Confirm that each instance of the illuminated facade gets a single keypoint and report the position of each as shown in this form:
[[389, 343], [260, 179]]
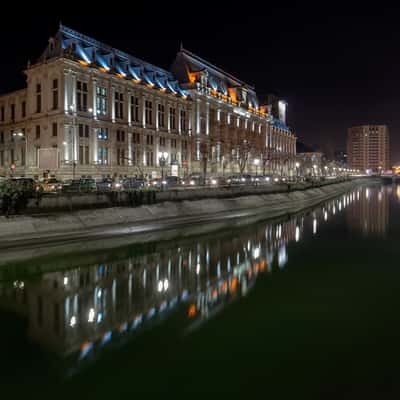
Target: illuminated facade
[[92, 110], [368, 148]]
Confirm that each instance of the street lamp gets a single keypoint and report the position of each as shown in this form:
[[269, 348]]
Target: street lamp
[[162, 159], [23, 136], [256, 163], [297, 169]]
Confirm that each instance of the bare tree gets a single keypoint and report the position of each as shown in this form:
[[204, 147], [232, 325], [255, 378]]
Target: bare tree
[[244, 150]]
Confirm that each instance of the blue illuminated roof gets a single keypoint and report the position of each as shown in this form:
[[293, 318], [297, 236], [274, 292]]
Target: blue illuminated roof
[[94, 52], [277, 123]]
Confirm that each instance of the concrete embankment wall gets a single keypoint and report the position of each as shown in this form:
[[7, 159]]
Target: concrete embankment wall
[[79, 201], [30, 236]]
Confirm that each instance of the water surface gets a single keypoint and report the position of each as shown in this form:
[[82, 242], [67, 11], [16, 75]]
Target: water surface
[[305, 307]]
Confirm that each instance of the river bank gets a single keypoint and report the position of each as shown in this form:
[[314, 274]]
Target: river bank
[[26, 237]]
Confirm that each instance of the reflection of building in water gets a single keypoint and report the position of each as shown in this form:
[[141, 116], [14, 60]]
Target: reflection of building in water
[[371, 215], [77, 311]]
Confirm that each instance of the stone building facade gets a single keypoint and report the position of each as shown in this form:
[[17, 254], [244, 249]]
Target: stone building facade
[[92, 110]]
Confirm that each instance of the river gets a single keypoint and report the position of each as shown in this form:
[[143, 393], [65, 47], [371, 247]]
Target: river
[[306, 306]]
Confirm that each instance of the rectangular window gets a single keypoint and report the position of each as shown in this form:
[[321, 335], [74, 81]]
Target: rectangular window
[[2, 113], [12, 109], [102, 155], [83, 155], [23, 109], [120, 156], [149, 140], [136, 138], [162, 141], [54, 129], [87, 155], [149, 158], [1, 157], [81, 95], [55, 94], [119, 105], [22, 156], [101, 100], [173, 143], [102, 133], [38, 98], [183, 120], [37, 155], [149, 112], [135, 108], [172, 118], [12, 156], [161, 116], [120, 136], [1, 137], [37, 131]]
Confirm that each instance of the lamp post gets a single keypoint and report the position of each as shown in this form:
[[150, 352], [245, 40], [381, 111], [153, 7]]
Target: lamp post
[[162, 159], [23, 137], [315, 169], [297, 169], [256, 163]]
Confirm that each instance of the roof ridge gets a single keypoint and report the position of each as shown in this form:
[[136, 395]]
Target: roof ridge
[[217, 69], [94, 42]]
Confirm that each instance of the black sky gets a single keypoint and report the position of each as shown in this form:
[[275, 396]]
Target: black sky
[[336, 67]]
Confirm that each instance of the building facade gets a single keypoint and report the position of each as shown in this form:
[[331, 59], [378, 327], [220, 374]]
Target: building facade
[[92, 110], [368, 148]]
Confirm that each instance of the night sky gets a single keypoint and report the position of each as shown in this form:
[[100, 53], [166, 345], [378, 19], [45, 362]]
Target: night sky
[[336, 67]]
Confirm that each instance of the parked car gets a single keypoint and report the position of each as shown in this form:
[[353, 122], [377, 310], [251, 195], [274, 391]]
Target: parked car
[[192, 180], [172, 181], [132, 183], [80, 185], [24, 184], [104, 185], [216, 181], [50, 185]]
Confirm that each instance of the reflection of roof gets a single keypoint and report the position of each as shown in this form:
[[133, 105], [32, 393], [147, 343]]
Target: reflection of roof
[[92, 52]]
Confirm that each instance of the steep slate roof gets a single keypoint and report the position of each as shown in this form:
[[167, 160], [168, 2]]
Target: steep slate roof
[[88, 50], [277, 123], [186, 63]]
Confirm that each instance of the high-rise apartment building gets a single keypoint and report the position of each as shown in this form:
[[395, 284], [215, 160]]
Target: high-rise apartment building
[[368, 148]]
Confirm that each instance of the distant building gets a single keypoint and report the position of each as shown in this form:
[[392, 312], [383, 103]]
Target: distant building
[[368, 148], [308, 160], [341, 158]]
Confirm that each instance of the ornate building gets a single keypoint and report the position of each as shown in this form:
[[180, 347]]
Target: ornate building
[[92, 110]]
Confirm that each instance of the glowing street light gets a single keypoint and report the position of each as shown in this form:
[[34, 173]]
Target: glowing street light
[[256, 163]]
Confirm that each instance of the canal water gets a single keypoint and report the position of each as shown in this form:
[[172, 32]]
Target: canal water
[[305, 307]]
